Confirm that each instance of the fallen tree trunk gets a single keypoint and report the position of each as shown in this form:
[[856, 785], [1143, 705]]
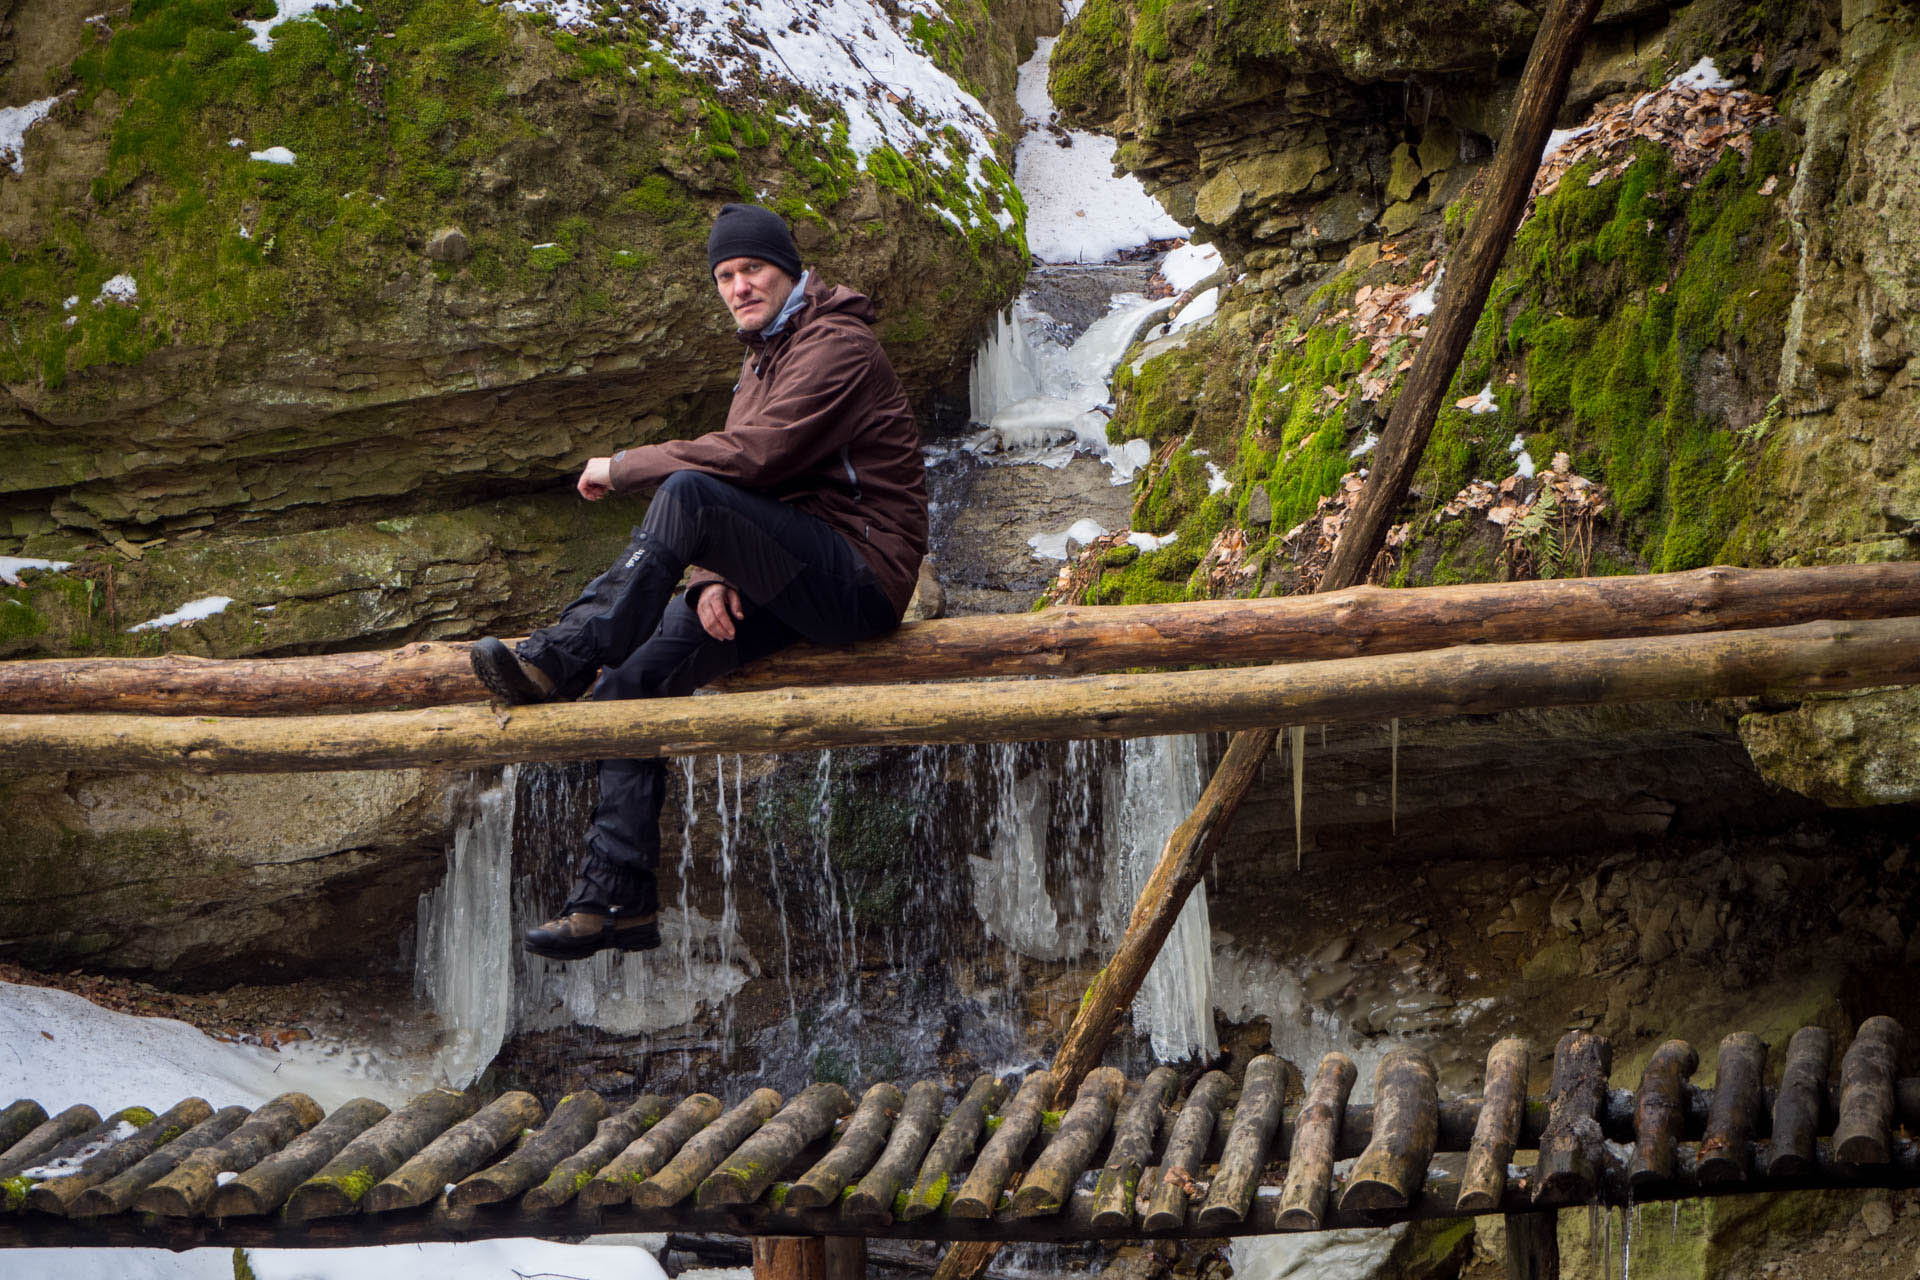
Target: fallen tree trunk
[[1471, 679], [1074, 640]]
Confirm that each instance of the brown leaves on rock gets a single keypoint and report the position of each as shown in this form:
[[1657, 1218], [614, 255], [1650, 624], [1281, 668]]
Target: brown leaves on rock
[[1545, 522], [1310, 543], [1695, 124]]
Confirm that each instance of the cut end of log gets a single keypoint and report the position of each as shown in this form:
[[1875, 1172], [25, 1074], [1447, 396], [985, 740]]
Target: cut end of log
[[1371, 1197], [1298, 1220], [1858, 1149], [236, 1200], [1219, 1215], [168, 1202], [598, 1193], [1478, 1202]]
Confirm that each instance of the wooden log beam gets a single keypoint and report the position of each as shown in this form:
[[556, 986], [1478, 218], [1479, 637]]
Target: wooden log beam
[[1471, 679], [1070, 640], [1000, 1158], [1119, 1182], [18, 1120], [1470, 271], [573, 1124], [189, 1189], [1256, 1118], [611, 1136], [354, 1170], [1303, 1198], [648, 1155], [854, 1154], [118, 1193], [1660, 1112], [40, 1141], [1798, 1109], [266, 1186], [1186, 1148], [1406, 1125], [744, 1176], [705, 1150], [1048, 1185], [952, 1148], [1726, 1153], [1867, 1092], [1497, 1130], [872, 1200], [1573, 1149], [56, 1195], [456, 1153]]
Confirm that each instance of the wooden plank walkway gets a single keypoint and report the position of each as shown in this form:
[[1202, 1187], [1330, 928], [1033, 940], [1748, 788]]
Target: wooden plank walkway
[[1158, 1157]]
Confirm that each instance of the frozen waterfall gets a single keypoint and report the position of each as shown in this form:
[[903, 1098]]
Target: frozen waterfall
[[463, 964]]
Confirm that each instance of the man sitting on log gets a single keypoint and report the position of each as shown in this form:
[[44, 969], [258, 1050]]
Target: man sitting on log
[[805, 518]]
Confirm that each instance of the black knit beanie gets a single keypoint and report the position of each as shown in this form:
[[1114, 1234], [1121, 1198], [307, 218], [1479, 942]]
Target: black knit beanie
[[749, 231]]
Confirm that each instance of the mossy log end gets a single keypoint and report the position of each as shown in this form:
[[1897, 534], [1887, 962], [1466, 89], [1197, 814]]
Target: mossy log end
[[612, 1136], [1316, 1130], [189, 1189], [744, 1176], [266, 1186], [1497, 1131], [1186, 1148], [1660, 1112], [1867, 1093], [871, 1201], [1256, 1119], [704, 1151], [952, 1148], [649, 1154], [56, 1195], [1049, 1183], [354, 1170], [1466, 680], [571, 1126], [1133, 1135], [854, 1154], [456, 1153], [979, 1195], [117, 1194], [1406, 1126], [1798, 1107]]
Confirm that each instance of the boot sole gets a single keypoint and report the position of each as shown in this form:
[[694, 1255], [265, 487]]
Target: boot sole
[[645, 938], [495, 666]]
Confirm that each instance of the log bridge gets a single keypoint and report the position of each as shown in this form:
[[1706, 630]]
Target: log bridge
[[1167, 1156]]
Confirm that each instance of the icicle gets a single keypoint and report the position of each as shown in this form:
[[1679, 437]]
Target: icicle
[[1606, 1244], [1626, 1235], [1673, 1236], [1593, 1233], [1299, 787], [1393, 796]]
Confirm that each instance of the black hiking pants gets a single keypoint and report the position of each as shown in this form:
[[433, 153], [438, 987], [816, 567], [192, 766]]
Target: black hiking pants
[[798, 579]]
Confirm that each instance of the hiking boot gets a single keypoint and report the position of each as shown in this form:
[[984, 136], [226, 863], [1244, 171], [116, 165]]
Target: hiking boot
[[507, 676], [579, 934]]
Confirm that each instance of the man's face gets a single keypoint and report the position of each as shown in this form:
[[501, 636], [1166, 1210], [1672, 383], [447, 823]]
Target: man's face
[[754, 291]]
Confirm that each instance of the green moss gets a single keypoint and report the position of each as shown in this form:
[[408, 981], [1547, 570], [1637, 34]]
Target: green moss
[[13, 1191], [242, 1268], [355, 1185], [139, 1117]]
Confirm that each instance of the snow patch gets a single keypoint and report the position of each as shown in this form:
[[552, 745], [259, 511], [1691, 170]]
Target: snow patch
[[1423, 302], [1150, 542], [1364, 447], [1482, 403], [1217, 481], [14, 123], [1188, 265], [289, 11], [192, 611], [120, 288], [1054, 546], [1201, 308], [10, 567], [273, 155], [1701, 75]]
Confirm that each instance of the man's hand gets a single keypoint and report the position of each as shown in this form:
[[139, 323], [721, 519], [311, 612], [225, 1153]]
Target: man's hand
[[596, 479], [718, 608]]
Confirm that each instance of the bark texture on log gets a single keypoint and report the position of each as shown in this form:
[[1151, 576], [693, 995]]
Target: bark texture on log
[[1726, 1153], [1573, 1148], [570, 1128], [265, 1186], [1867, 1092], [456, 1153], [19, 1120], [1470, 272], [648, 1155], [189, 1189], [1139, 1125], [1048, 1184], [611, 1136], [1256, 1118], [1467, 680], [1798, 1106], [854, 1154], [56, 1194], [999, 1159], [1406, 1124], [1497, 1131], [117, 1194], [345, 1179], [705, 1150], [952, 1148], [872, 1201], [744, 1176], [1186, 1148], [40, 1141], [1303, 1198], [1660, 1112], [1068, 640]]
